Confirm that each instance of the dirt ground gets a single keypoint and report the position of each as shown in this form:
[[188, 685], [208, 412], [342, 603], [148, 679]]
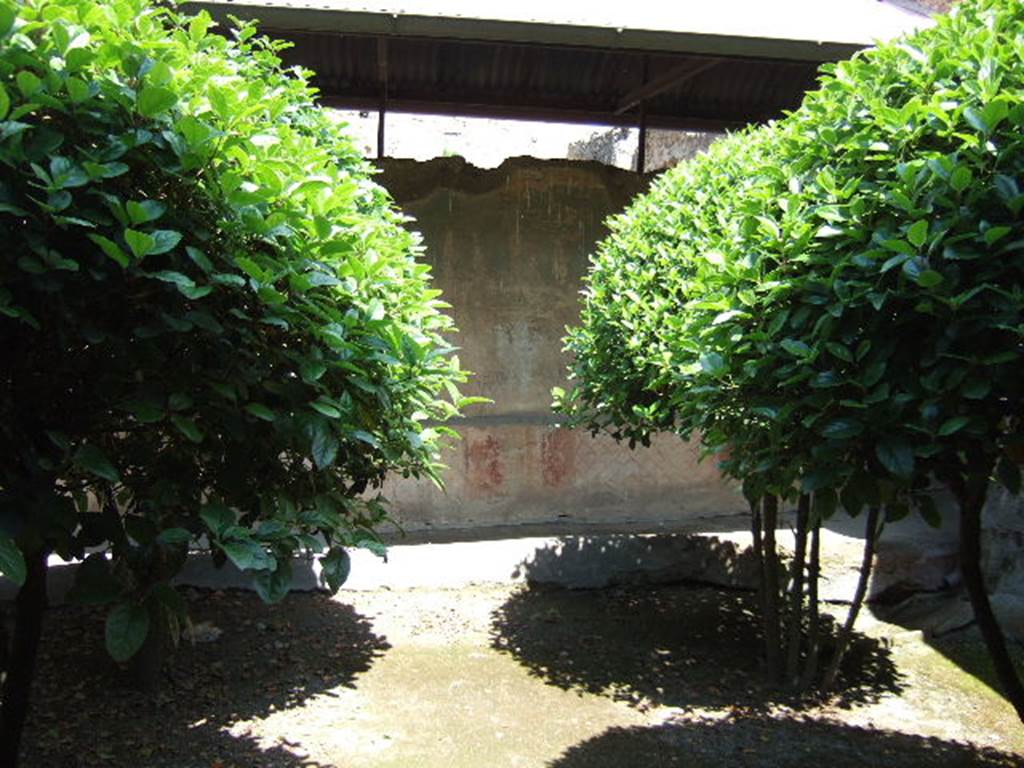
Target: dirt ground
[[506, 676]]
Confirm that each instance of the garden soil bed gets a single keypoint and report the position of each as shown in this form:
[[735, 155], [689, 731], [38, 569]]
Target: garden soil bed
[[494, 675]]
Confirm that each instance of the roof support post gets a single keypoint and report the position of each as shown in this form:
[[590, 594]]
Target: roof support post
[[382, 78], [641, 150]]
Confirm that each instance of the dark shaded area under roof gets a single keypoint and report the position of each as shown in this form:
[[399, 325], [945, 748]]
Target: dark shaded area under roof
[[549, 83], [572, 73]]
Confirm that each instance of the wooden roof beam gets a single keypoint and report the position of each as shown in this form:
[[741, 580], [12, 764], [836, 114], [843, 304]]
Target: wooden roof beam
[[671, 79], [427, 105]]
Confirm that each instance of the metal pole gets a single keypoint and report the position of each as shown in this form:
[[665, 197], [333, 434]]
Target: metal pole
[[382, 77], [641, 150]]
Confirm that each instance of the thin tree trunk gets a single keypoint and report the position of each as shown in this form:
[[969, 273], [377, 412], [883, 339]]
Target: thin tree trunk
[[971, 504], [772, 633], [29, 608], [146, 666], [870, 535], [755, 529], [796, 593], [813, 612]]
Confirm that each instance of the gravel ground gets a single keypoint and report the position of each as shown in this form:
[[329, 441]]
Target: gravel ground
[[496, 675]]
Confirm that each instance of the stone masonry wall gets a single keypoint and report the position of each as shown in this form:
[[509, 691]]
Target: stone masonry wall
[[508, 247]]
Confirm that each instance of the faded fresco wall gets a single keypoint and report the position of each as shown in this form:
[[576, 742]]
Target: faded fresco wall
[[508, 248]]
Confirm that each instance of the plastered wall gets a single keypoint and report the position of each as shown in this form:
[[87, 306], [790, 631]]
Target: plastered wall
[[509, 247]]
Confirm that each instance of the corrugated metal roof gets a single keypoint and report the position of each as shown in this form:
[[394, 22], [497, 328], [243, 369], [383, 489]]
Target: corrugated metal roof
[[847, 22], [685, 64]]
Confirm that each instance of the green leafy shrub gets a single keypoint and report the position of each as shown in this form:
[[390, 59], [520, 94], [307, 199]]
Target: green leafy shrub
[[849, 272], [834, 301], [212, 321]]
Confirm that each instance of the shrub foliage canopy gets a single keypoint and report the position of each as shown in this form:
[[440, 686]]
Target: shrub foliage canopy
[[835, 302], [836, 298], [212, 321]]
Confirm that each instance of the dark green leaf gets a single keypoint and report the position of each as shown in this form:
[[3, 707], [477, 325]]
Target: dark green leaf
[[146, 411], [28, 83], [842, 429], [225, 278], [218, 518], [126, 630], [180, 401], [326, 409], [873, 374], [712, 363], [918, 233], [196, 292], [142, 212], [896, 456], [335, 567], [170, 276], [272, 530], [199, 258], [140, 243], [174, 536], [796, 347], [961, 178], [824, 504], [261, 411], [188, 428], [272, 586], [248, 555], [369, 541], [852, 498], [325, 445], [839, 351], [975, 119], [12, 562], [976, 389], [366, 437], [155, 99], [92, 459], [312, 370], [164, 240], [112, 249], [994, 234], [955, 424], [78, 90]]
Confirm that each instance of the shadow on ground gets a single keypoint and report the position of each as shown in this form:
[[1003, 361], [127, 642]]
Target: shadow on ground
[[780, 742], [968, 652], [681, 645], [611, 560], [946, 622], [269, 658]]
